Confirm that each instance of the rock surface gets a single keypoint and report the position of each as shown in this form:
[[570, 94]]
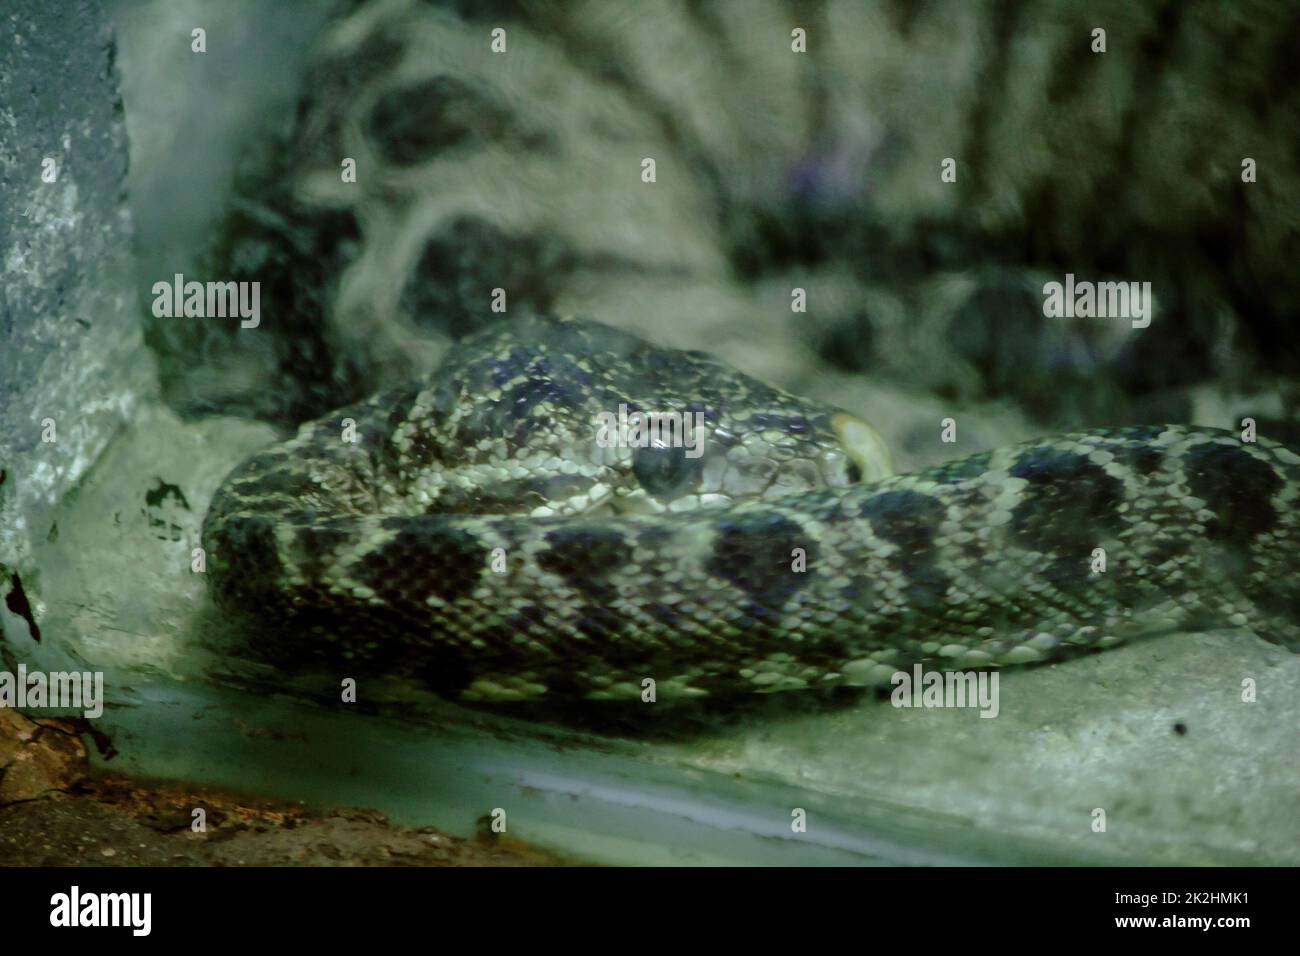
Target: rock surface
[[72, 366]]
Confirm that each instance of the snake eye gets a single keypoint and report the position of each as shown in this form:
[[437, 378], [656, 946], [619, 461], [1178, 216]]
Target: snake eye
[[666, 472]]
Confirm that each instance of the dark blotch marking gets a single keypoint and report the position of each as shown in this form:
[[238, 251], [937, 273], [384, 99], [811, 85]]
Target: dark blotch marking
[[512, 417], [416, 123], [425, 557], [451, 286], [1143, 459], [247, 556], [910, 520], [1069, 503], [1237, 487], [423, 449], [585, 558], [313, 546], [1133, 447], [753, 551]]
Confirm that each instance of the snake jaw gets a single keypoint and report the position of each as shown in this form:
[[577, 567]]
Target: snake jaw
[[864, 446]]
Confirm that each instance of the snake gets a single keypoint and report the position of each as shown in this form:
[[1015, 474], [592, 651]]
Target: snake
[[473, 532]]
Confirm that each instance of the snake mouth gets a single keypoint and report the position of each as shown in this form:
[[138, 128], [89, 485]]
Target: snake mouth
[[864, 446]]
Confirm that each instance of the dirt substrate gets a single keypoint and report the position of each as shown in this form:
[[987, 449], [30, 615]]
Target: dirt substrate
[[56, 811]]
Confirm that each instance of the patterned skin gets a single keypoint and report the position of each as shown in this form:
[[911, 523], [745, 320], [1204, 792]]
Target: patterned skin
[[476, 537]]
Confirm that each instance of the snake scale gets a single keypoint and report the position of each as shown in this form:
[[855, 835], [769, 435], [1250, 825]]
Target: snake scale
[[469, 533]]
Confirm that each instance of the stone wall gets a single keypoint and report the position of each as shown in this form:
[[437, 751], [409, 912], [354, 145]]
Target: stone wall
[[72, 367]]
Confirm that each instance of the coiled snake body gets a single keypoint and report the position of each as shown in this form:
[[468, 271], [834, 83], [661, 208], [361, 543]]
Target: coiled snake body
[[471, 533]]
